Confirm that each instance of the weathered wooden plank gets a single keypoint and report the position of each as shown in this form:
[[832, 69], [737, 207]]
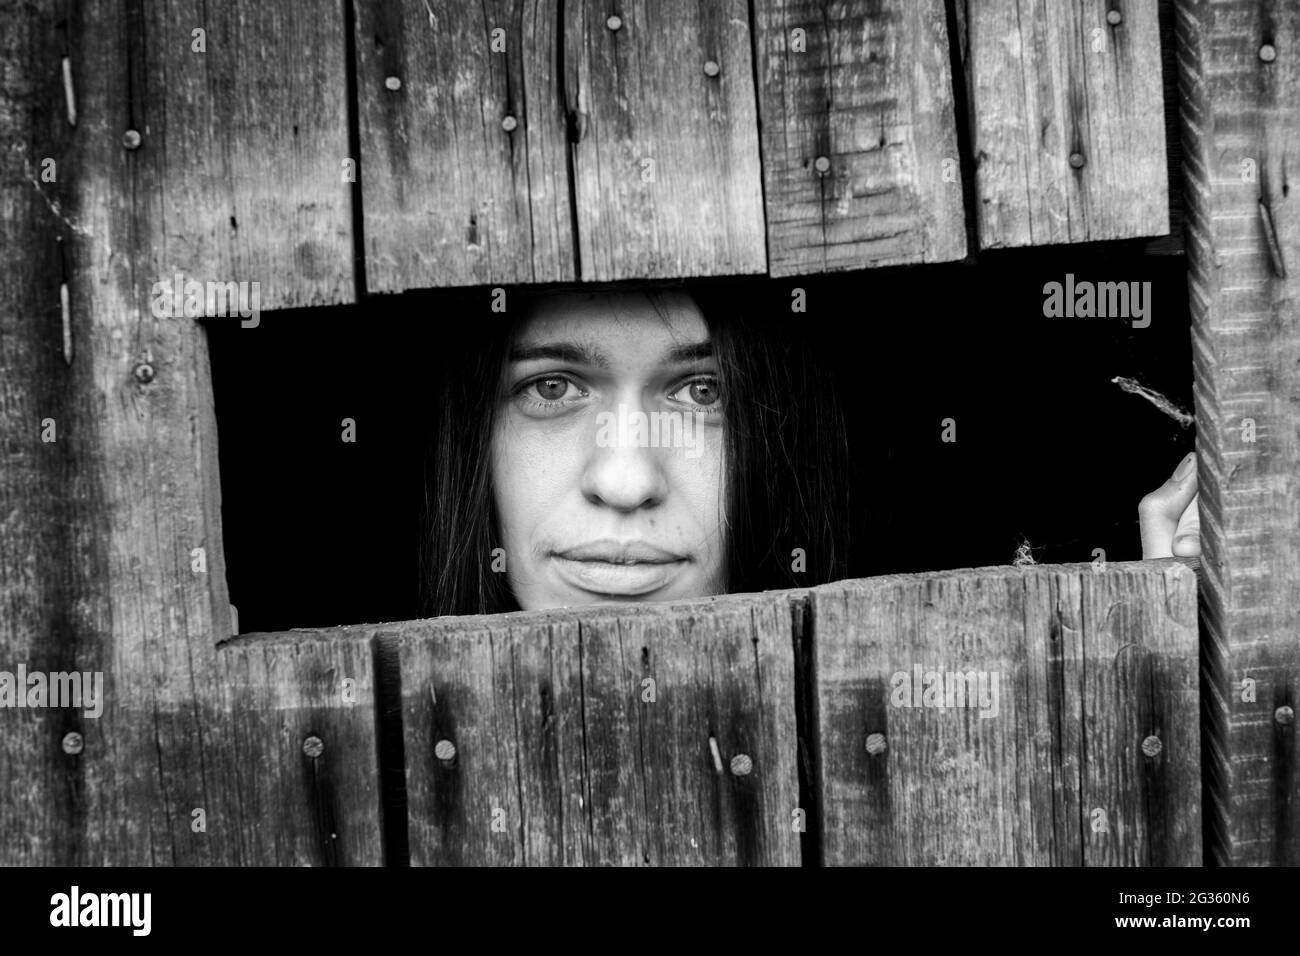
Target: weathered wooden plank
[[1240, 83], [302, 711], [465, 176], [662, 106], [587, 734], [1073, 667], [865, 90], [1066, 129], [250, 137]]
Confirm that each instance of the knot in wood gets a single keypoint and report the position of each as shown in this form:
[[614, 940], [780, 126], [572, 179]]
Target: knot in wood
[[144, 373], [444, 750], [131, 139], [1114, 17], [614, 23], [73, 743], [1152, 746], [393, 83], [313, 747], [711, 68], [1284, 715], [876, 744], [741, 765], [1268, 53]]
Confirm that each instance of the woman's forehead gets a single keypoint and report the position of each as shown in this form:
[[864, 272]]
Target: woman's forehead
[[672, 319]]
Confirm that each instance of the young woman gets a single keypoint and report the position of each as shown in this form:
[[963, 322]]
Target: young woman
[[632, 445]]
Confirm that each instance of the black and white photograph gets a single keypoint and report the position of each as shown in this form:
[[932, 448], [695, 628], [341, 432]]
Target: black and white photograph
[[769, 434]]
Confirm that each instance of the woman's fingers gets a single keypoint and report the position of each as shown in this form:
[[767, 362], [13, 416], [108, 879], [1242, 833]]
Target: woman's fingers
[[1160, 512], [1187, 536]]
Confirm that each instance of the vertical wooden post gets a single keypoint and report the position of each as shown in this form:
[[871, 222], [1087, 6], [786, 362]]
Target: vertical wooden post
[[1239, 66]]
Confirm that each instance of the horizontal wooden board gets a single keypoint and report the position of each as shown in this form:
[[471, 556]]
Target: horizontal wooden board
[[1074, 667]]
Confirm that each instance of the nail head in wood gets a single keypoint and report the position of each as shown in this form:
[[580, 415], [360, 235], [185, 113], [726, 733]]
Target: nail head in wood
[[313, 747], [1284, 715], [822, 164], [711, 68], [876, 744], [393, 83], [1077, 160], [1152, 746], [741, 765], [73, 743], [144, 373], [1268, 53], [1114, 17], [444, 750], [509, 123], [131, 139], [614, 23]]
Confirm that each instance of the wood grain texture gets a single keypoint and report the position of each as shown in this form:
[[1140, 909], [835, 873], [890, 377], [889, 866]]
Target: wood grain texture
[[298, 807], [1241, 140], [553, 731], [1051, 79], [249, 139], [639, 95], [868, 86], [451, 197], [1089, 663]]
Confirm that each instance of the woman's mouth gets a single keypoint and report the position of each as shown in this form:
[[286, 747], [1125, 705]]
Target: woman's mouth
[[624, 569]]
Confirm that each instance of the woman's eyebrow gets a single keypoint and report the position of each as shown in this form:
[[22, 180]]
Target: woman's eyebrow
[[691, 353], [559, 352]]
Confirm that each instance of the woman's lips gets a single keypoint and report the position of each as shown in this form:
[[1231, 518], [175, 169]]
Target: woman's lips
[[627, 569]]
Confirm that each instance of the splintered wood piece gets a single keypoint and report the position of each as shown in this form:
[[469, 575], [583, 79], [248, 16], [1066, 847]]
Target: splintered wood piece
[[1001, 716], [860, 160]]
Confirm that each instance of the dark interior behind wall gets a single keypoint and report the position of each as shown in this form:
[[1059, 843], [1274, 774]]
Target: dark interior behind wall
[[318, 532]]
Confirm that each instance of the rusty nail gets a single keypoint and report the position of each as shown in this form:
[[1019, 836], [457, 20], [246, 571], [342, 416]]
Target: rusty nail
[[717, 755], [313, 747], [1114, 17], [1077, 160], [444, 750], [509, 123], [73, 743], [393, 83], [711, 68], [1268, 53], [741, 765], [822, 164], [1152, 746], [876, 744], [614, 22], [131, 139], [144, 373], [1284, 715]]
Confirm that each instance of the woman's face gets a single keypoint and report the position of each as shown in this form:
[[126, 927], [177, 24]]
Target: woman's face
[[607, 453]]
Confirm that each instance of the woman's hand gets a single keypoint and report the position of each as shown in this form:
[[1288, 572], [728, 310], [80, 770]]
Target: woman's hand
[[1168, 517]]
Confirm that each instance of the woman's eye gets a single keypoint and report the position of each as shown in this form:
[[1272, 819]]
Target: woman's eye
[[701, 391], [549, 392]]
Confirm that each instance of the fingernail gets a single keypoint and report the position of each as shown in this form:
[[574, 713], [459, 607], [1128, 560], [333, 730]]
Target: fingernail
[[1186, 467]]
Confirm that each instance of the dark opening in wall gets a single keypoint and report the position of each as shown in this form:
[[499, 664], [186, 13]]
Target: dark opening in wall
[[1048, 449]]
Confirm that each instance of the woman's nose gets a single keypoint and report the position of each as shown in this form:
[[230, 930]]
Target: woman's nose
[[623, 471]]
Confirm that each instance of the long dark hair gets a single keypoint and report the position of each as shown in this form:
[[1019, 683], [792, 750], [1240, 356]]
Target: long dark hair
[[788, 472]]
